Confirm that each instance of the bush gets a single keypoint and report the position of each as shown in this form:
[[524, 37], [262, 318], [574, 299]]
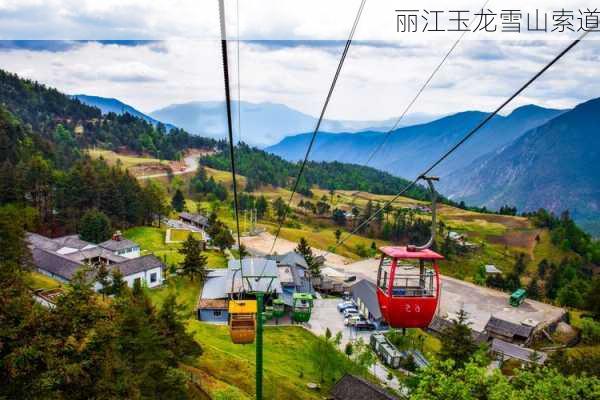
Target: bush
[[590, 331]]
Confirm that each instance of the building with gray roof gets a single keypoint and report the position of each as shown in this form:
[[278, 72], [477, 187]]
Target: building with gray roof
[[351, 387], [197, 220], [505, 350], [293, 274], [61, 257], [259, 274], [364, 294], [508, 331]]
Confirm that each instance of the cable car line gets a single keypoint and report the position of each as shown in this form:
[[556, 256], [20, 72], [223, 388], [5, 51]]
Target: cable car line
[[229, 120], [239, 82], [316, 131], [463, 140], [420, 91]]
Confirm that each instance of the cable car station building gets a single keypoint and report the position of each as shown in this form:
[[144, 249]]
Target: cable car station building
[[221, 285]]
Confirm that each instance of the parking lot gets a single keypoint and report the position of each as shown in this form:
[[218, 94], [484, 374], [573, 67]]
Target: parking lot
[[325, 315], [480, 302]]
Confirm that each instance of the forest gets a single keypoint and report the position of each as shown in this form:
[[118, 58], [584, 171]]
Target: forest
[[84, 348], [42, 109], [262, 168]]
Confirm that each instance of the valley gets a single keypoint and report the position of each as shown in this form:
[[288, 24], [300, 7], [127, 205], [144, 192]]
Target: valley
[[119, 245]]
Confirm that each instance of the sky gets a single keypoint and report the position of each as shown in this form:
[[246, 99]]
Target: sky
[[153, 54]]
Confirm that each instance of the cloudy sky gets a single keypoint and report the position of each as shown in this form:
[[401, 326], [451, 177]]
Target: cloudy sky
[[152, 54]]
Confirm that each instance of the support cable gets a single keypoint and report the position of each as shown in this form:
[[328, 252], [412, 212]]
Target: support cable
[[316, 131], [420, 91], [229, 121], [463, 140]]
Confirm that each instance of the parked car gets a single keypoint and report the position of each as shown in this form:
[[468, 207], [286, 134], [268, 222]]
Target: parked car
[[354, 319], [350, 311], [345, 304], [364, 326]]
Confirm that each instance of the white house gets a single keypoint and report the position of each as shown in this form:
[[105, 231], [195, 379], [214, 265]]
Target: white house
[[59, 258], [121, 246]]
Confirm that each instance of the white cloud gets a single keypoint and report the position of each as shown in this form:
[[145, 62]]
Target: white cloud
[[259, 19], [377, 82]]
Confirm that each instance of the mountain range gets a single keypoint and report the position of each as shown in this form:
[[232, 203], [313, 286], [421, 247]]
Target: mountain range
[[534, 157], [555, 165], [262, 123], [407, 151]]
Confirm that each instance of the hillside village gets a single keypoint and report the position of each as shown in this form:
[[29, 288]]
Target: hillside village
[[513, 335]]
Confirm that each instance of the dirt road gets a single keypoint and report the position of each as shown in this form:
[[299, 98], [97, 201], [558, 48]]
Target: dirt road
[[191, 165], [261, 245]]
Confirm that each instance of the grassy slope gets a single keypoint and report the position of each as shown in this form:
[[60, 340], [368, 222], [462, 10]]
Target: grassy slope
[[35, 280], [152, 240], [286, 355]]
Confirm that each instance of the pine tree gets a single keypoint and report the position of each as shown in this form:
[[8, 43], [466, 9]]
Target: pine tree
[[194, 262], [103, 278], [171, 319], [95, 227], [457, 343], [178, 201], [306, 251], [338, 235], [118, 285], [262, 206]]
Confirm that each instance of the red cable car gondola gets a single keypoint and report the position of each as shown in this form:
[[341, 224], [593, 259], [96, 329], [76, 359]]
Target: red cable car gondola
[[408, 293]]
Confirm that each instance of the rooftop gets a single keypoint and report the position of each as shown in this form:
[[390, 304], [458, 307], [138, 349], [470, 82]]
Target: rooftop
[[367, 292], [404, 252], [257, 275], [56, 264], [351, 387], [215, 285], [196, 218], [114, 245], [492, 269], [134, 265], [518, 352], [506, 328], [218, 304]]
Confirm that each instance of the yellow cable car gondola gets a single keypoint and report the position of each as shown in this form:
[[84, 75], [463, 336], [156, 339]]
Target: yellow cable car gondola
[[242, 321]]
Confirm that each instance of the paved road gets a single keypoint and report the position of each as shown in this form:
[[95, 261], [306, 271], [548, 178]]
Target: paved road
[[480, 302], [261, 244]]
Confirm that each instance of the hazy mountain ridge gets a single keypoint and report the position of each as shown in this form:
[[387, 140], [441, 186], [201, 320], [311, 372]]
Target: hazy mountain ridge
[[262, 123], [409, 150], [555, 166]]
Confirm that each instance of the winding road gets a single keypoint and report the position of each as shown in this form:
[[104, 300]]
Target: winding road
[[191, 165]]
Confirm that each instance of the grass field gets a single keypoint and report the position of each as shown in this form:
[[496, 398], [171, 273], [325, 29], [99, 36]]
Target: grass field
[[288, 366], [152, 240], [186, 291], [180, 235]]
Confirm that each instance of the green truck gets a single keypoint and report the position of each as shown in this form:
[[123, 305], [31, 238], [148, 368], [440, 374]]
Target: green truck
[[517, 298]]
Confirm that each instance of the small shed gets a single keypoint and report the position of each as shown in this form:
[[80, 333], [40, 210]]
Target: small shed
[[508, 331], [492, 270], [351, 387], [505, 350], [197, 220], [213, 310]]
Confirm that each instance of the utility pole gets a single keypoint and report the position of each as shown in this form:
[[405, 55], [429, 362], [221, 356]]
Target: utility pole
[[259, 345]]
